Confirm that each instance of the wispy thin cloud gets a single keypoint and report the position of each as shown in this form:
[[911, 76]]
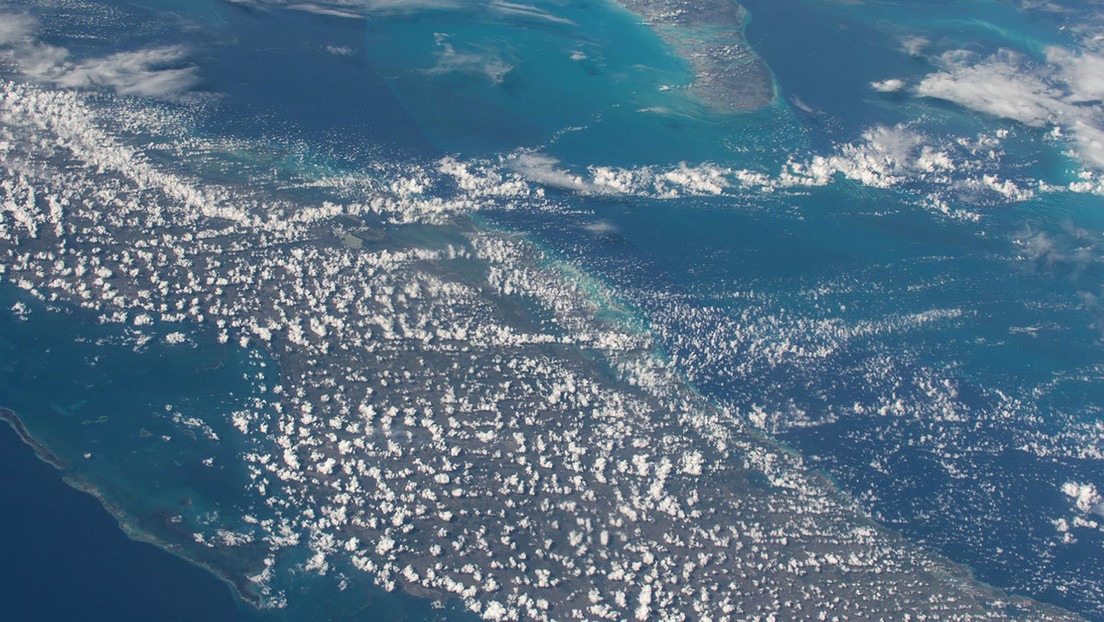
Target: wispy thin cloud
[[485, 63], [16, 27], [149, 73], [154, 72]]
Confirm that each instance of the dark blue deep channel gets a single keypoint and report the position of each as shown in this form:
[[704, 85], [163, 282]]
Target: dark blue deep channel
[[66, 558]]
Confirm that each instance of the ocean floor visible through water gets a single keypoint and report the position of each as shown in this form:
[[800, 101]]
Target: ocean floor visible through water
[[422, 228]]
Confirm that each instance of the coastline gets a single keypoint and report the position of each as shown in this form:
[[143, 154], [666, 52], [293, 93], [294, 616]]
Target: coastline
[[128, 527], [42, 451], [137, 534], [729, 76]]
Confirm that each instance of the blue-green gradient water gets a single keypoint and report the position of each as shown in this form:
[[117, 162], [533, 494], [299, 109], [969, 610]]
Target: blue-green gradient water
[[922, 334]]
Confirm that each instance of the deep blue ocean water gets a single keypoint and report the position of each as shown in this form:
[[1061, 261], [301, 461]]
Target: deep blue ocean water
[[113, 440], [984, 402], [73, 561]]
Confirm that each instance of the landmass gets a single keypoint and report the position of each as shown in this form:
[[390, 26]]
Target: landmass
[[232, 567], [709, 34], [43, 452]]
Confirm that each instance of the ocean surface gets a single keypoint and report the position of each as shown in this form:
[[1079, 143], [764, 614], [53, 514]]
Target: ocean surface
[[68, 546], [445, 310]]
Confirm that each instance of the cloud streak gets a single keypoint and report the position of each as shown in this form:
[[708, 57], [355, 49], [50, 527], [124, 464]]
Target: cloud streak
[[154, 72], [485, 64], [147, 73]]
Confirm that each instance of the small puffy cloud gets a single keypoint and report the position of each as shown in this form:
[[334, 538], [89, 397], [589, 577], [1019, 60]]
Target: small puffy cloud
[[888, 86], [601, 227], [914, 46], [340, 50]]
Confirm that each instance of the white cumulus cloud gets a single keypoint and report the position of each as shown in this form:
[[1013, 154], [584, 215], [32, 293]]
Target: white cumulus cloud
[[1060, 94], [888, 86]]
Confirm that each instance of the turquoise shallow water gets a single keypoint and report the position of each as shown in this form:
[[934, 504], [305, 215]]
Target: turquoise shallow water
[[871, 254], [944, 371], [108, 413], [99, 404], [68, 545]]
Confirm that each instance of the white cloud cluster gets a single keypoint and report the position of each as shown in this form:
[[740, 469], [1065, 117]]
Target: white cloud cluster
[[1001, 85], [417, 469], [1084, 73], [950, 176], [969, 170], [1085, 497], [1064, 94], [885, 157]]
